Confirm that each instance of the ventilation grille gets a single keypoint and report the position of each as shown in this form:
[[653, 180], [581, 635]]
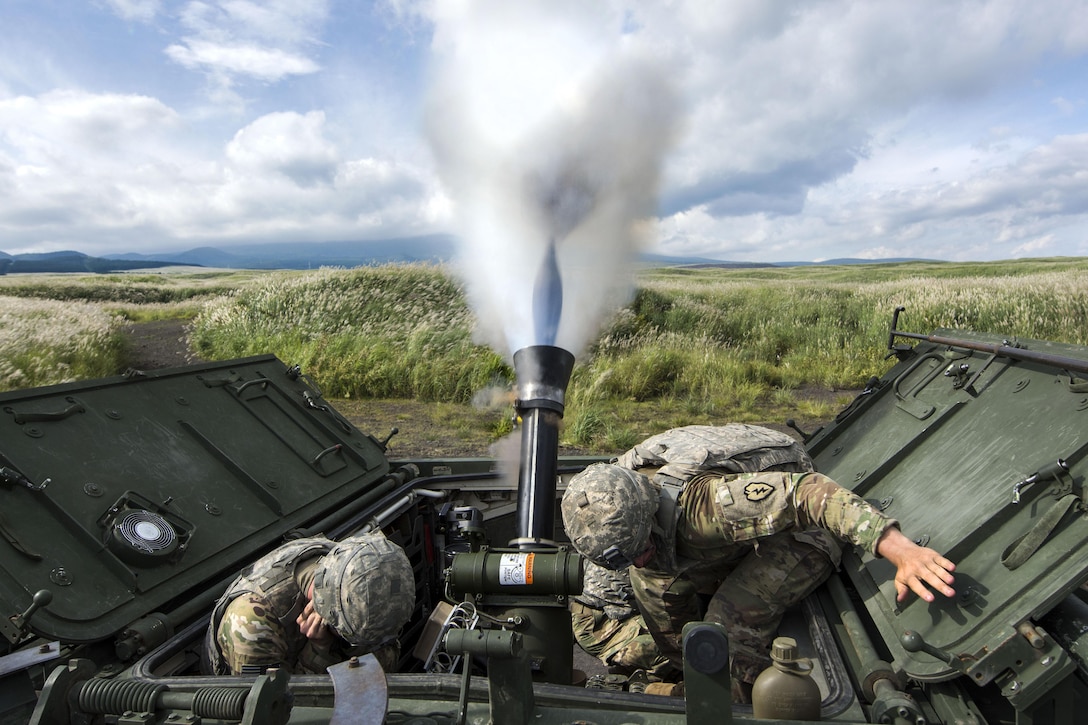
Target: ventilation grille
[[141, 537], [146, 531]]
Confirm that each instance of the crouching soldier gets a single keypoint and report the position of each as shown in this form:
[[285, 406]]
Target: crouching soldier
[[310, 604], [682, 511]]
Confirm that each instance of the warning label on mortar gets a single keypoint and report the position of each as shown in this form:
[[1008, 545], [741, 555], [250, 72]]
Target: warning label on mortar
[[515, 569]]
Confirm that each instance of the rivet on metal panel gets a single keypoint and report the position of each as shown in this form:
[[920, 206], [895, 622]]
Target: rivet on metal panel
[[837, 451], [859, 475], [92, 489], [1020, 385], [113, 414], [60, 577], [181, 400]]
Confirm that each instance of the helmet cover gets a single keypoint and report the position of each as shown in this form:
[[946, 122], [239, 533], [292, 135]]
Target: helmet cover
[[608, 514], [365, 590]]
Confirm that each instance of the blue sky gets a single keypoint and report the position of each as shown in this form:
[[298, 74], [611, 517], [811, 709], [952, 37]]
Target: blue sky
[[762, 131]]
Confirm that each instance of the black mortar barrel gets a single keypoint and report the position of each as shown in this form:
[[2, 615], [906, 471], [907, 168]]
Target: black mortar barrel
[[543, 372]]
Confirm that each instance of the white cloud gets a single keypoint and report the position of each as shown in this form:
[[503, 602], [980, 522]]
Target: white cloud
[[142, 10], [291, 144], [98, 172], [1066, 106], [240, 39], [266, 64], [787, 94], [1034, 248], [972, 206], [66, 124]]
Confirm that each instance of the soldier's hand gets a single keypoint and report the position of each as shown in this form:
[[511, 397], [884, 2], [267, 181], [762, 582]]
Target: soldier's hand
[[311, 624], [916, 566]]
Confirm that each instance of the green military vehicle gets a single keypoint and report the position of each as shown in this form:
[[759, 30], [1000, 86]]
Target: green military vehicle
[[128, 504]]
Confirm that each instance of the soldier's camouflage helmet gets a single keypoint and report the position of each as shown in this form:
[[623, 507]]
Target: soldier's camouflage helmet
[[364, 590], [608, 514]]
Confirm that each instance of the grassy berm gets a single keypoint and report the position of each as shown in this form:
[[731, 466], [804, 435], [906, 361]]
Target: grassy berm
[[443, 430]]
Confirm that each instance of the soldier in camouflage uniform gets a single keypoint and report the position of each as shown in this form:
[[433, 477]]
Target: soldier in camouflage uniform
[[312, 603], [608, 626], [737, 514]]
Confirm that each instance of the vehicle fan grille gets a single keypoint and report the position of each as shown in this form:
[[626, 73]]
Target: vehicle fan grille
[[146, 532]]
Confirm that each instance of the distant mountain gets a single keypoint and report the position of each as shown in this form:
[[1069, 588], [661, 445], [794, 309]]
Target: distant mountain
[[705, 263], [69, 261], [854, 260], [310, 255], [660, 260]]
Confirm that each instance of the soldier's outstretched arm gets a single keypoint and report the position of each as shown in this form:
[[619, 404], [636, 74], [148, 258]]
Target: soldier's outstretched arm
[[916, 566], [824, 503]]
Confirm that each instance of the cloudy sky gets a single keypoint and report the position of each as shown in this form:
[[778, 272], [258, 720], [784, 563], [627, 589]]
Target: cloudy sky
[[774, 131]]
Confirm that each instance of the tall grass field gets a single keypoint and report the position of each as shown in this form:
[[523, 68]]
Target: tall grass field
[[694, 343]]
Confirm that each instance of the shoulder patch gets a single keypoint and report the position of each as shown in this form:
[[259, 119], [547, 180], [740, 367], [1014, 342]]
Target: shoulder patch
[[758, 490]]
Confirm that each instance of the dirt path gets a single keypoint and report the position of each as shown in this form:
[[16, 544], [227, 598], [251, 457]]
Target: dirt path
[[158, 344]]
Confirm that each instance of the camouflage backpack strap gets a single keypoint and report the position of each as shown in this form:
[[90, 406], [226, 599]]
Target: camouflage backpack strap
[[667, 518], [271, 576]]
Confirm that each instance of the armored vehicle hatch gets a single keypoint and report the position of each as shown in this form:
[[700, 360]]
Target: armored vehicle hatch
[[977, 444], [128, 496]]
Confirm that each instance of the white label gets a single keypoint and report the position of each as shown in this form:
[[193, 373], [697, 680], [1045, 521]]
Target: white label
[[515, 569]]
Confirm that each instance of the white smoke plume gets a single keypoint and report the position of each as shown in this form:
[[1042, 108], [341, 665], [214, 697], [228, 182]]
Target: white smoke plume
[[549, 121]]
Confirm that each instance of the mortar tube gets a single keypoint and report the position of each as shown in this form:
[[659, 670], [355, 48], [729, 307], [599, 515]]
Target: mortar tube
[[543, 372]]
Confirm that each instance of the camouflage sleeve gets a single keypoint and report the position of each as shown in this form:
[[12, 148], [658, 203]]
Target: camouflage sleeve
[[250, 639], [824, 503]]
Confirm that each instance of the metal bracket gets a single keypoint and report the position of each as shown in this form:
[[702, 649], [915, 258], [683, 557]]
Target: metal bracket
[[362, 694], [1025, 668]]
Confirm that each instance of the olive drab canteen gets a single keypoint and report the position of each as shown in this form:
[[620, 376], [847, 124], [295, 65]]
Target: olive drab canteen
[[365, 590], [608, 514]]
